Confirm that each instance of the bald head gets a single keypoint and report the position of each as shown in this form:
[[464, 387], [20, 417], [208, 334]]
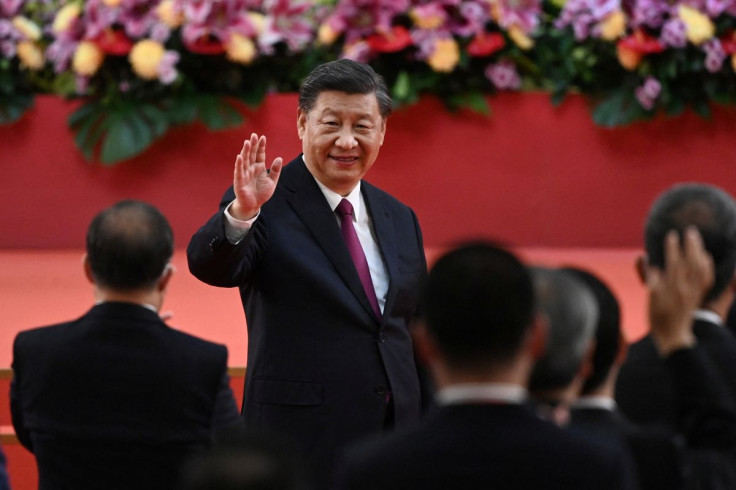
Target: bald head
[[128, 246]]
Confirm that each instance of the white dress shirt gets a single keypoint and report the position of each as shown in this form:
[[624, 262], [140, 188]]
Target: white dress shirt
[[235, 230]]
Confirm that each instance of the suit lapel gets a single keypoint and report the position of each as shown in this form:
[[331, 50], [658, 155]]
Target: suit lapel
[[308, 202]]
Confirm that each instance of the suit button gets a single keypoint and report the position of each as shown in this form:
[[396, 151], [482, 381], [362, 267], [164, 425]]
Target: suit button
[[380, 391], [381, 337]]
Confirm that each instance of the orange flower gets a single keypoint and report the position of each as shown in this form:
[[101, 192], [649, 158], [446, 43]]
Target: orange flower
[[445, 55], [631, 50]]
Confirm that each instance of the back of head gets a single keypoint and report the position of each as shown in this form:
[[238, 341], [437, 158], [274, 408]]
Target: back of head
[[128, 246], [608, 328], [712, 211], [478, 303], [572, 314], [244, 459], [346, 76]]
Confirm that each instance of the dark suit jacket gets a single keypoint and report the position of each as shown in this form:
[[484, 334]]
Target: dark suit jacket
[[645, 390], [658, 456], [483, 447], [319, 362], [116, 399], [698, 450]]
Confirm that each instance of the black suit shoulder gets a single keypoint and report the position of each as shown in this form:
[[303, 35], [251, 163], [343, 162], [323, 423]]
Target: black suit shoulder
[[470, 447]]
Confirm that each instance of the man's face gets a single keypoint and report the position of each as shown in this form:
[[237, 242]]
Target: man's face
[[341, 136]]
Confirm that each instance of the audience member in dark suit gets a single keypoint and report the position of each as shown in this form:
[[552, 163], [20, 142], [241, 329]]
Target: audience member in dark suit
[[571, 313], [481, 338], [330, 357], [247, 459], [699, 456], [645, 390], [117, 399]]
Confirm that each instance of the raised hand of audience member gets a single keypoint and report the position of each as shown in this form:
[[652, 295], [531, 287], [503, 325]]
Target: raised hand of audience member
[[677, 291]]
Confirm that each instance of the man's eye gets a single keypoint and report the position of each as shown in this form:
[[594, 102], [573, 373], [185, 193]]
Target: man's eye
[[331, 123]]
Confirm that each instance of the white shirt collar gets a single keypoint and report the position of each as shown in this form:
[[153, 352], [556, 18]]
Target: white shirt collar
[[599, 402], [708, 316], [482, 393], [333, 199]]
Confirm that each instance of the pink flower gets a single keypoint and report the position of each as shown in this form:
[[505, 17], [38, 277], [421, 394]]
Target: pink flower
[[358, 19], [649, 91], [503, 75], [287, 21]]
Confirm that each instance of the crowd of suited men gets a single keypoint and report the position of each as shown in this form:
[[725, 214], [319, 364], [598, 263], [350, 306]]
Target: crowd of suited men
[[536, 386]]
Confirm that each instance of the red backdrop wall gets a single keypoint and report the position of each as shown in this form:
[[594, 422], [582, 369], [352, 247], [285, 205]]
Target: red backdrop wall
[[530, 174]]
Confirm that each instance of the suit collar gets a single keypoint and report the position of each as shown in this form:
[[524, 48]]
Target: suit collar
[[309, 203], [130, 311]]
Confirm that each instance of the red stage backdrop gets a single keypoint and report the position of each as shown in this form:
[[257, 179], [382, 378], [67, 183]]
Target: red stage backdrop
[[529, 175]]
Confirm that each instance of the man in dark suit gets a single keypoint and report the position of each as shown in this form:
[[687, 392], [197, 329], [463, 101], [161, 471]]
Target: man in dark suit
[[645, 390], [481, 337], [328, 268], [117, 399], [698, 454]]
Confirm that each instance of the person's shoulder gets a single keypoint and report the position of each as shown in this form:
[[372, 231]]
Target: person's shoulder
[[44, 335]]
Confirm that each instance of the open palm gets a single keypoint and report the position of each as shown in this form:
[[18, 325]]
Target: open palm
[[253, 184]]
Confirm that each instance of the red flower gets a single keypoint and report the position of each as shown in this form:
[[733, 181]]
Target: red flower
[[485, 44], [642, 43], [114, 42], [206, 45], [728, 42], [396, 39]]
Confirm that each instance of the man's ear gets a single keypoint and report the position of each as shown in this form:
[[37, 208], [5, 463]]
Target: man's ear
[[623, 348], [87, 269], [537, 336], [301, 122], [163, 282], [424, 343], [642, 264]]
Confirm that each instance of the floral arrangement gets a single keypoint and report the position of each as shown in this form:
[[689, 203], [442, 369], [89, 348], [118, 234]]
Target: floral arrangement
[[142, 66]]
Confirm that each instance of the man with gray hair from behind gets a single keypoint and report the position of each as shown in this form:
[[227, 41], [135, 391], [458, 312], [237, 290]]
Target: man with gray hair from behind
[[571, 312]]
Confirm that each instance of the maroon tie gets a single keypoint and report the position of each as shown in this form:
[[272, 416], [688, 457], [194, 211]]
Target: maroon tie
[[345, 211]]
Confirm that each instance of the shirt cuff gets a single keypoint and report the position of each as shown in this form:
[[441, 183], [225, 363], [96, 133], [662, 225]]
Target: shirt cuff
[[235, 229]]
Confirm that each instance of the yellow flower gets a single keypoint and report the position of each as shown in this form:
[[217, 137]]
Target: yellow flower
[[698, 27], [326, 34], [30, 55], [169, 15], [613, 26], [111, 3], [240, 49], [145, 57], [258, 20], [520, 38], [87, 58], [27, 27], [628, 58], [65, 16], [445, 55], [425, 21]]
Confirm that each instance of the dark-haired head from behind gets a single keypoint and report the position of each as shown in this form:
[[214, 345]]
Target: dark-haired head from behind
[[246, 459], [128, 246], [572, 314], [608, 337], [347, 76], [478, 305], [712, 211]]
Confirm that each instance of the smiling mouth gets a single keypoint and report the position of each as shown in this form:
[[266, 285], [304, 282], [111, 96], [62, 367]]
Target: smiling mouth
[[344, 159]]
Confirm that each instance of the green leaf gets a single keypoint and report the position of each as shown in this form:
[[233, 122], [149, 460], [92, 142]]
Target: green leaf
[[128, 135], [702, 108], [618, 109], [13, 107], [217, 114], [182, 110], [475, 101], [402, 87], [156, 119]]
